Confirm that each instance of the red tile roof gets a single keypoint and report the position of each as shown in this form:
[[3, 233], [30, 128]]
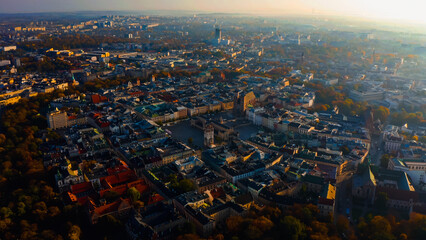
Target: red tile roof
[[119, 178], [112, 207], [118, 169], [217, 193], [397, 194], [96, 98], [81, 187], [155, 198], [122, 189]]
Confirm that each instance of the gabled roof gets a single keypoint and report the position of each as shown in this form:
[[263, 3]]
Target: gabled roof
[[118, 178], [122, 189], [363, 178], [110, 208], [117, 169], [398, 194]]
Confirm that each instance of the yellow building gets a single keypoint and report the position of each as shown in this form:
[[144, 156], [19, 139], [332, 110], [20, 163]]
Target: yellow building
[[8, 101]]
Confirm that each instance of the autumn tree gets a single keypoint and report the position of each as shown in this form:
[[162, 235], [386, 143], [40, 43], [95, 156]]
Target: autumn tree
[[133, 194], [74, 232], [381, 113]]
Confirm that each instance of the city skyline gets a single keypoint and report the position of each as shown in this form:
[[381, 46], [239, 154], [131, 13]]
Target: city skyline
[[410, 11], [220, 120]]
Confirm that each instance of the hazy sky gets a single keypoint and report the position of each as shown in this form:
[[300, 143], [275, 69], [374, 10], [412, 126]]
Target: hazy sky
[[391, 9]]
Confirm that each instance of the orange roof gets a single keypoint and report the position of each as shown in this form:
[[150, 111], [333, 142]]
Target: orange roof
[[96, 98], [120, 178], [137, 93], [140, 185], [124, 163], [72, 197]]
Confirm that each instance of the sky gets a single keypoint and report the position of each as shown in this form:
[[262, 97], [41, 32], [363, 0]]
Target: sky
[[411, 10]]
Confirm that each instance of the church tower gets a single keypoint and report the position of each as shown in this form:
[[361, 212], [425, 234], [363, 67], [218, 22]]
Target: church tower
[[209, 135]]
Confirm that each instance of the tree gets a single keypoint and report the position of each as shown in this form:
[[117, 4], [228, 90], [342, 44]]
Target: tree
[[5, 212], [185, 185], [50, 235], [20, 209], [293, 227], [363, 229], [381, 113], [74, 232], [47, 192], [263, 223], [272, 213], [133, 194], [53, 211], [319, 230], [342, 224], [380, 228], [2, 139], [403, 236], [417, 224], [40, 210]]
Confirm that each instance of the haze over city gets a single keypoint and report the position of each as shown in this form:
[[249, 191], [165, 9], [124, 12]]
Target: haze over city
[[408, 10]]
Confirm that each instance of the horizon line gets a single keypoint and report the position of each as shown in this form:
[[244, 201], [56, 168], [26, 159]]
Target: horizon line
[[313, 14]]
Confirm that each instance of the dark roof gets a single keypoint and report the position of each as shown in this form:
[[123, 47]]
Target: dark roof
[[313, 179], [397, 194], [199, 216], [244, 199], [294, 124]]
